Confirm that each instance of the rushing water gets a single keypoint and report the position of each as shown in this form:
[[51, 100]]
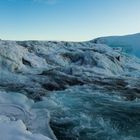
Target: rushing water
[[87, 113]]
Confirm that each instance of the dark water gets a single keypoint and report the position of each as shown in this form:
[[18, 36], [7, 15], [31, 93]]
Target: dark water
[[86, 113]]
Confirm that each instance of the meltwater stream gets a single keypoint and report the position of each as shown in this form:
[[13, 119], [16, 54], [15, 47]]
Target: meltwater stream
[[87, 113]]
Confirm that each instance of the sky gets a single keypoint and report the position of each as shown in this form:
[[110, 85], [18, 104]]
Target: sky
[[67, 20]]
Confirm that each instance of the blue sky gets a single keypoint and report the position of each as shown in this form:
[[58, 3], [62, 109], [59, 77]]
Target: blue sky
[[72, 20]]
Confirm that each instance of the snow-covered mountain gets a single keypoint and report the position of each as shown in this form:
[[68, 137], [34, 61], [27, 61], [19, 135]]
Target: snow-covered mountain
[[68, 91], [129, 43]]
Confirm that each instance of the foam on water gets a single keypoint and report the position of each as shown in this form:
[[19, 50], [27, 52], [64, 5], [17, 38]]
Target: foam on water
[[85, 113]]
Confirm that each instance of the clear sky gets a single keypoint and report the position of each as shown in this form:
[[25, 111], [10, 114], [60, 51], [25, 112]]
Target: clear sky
[[74, 20]]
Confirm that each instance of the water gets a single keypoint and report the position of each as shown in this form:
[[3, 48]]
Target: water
[[88, 113]]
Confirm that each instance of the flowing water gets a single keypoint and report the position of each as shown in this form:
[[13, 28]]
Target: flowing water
[[88, 113]]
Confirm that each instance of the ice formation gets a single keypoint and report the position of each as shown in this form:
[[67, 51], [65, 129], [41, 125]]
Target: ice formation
[[68, 91]]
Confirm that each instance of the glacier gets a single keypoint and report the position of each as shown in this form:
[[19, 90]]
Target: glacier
[[53, 90], [128, 43]]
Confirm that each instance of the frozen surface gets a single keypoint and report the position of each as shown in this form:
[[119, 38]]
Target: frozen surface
[[17, 118], [16, 130], [129, 43], [68, 91]]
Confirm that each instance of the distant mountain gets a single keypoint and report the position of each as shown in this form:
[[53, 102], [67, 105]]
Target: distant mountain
[[129, 43]]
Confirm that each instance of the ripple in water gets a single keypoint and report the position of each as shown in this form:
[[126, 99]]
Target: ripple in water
[[84, 113]]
